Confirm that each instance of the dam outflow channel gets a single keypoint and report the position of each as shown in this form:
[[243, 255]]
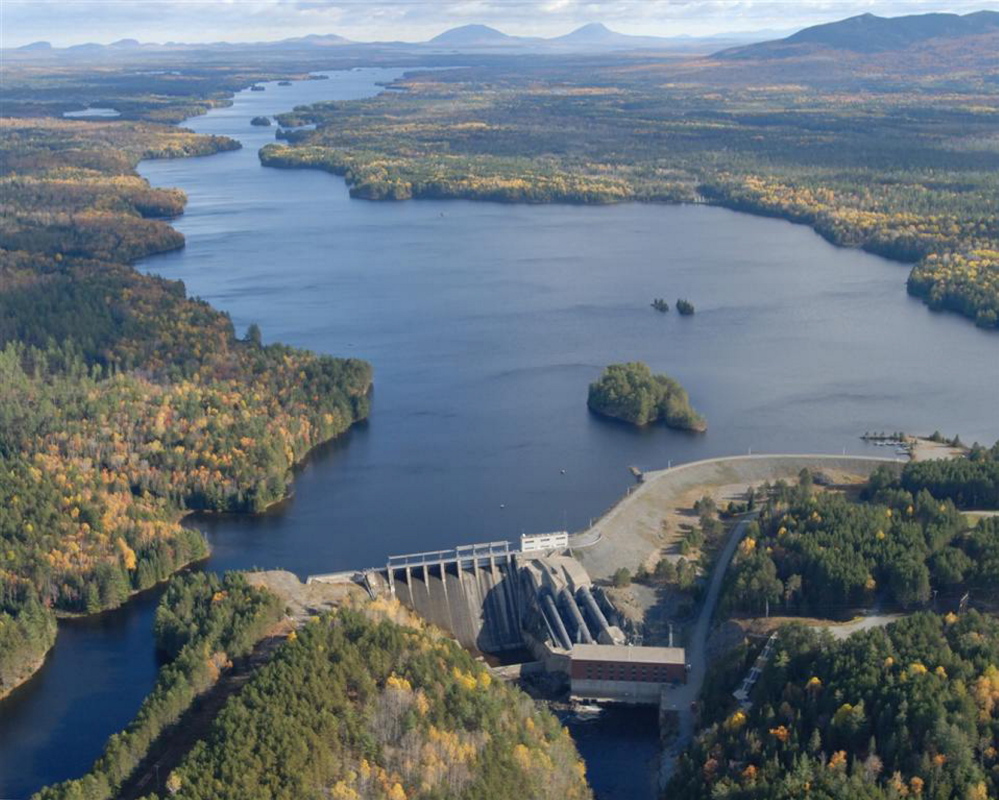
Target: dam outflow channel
[[485, 323]]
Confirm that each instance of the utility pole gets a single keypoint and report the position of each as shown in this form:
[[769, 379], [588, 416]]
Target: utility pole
[[671, 634]]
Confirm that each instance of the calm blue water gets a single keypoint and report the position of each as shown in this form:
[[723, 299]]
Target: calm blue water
[[485, 324]]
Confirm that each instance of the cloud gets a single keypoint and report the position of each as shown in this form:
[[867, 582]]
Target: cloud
[[73, 21]]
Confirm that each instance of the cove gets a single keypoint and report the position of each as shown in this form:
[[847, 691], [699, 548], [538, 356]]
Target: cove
[[485, 323]]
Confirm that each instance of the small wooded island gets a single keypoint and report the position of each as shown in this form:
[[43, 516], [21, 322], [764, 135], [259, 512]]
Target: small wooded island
[[261, 121], [633, 393]]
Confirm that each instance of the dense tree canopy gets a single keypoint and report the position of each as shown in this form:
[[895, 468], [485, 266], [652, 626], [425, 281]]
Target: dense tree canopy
[[203, 621], [125, 403], [971, 482], [822, 554], [358, 708], [631, 392], [906, 711]]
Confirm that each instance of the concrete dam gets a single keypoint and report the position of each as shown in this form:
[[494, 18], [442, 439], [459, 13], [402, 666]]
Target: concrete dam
[[545, 596], [472, 591]]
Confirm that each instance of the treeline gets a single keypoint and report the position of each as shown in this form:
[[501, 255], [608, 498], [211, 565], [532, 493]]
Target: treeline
[[203, 622], [125, 403], [823, 555], [161, 87], [970, 482], [27, 631], [498, 180], [354, 708], [71, 190], [631, 392], [905, 711], [904, 172]]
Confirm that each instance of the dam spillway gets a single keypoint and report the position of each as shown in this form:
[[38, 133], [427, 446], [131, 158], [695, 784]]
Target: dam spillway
[[472, 591]]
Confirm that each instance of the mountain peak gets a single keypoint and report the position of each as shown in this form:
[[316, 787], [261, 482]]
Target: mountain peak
[[471, 35], [593, 27], [869, 33], [596, 33]]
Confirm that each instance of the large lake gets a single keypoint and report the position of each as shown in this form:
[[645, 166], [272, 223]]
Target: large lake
[[485, 323]]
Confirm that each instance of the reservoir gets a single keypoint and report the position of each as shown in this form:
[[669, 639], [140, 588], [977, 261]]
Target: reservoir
[[485, 323]]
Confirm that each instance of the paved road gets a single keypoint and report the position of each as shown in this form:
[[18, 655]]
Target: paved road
[[682, 697], [864, 623]]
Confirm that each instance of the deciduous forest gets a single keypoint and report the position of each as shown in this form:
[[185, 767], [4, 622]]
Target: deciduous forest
[[905, 711], [358, 705], [126, 403]]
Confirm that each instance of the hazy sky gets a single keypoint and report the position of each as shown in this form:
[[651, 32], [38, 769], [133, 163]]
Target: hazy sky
[[66, 22]]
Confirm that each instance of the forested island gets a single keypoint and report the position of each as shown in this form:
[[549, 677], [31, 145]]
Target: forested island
[[126, 404], [685, 307], [632, 393]]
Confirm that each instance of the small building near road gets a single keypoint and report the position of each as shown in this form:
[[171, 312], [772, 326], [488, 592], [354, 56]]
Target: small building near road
[[624, 673]]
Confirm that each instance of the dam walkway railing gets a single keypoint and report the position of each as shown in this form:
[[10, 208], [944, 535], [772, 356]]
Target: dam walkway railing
[[463, 555]]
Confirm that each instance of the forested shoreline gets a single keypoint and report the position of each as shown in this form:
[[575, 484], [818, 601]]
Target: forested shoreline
[[369, 702], [906, 710], [903, 172], [203, 623], [126, 403]]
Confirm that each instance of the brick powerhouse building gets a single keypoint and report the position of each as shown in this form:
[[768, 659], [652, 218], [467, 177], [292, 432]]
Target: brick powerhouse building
[[619, 672]]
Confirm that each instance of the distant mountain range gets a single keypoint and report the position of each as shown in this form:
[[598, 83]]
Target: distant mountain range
[[594, 36], [470, 38], [870, 34], [864, 34]]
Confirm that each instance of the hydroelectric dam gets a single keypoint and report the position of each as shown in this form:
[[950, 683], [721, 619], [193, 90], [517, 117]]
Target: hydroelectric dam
[[497, 596], [539, 595]]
